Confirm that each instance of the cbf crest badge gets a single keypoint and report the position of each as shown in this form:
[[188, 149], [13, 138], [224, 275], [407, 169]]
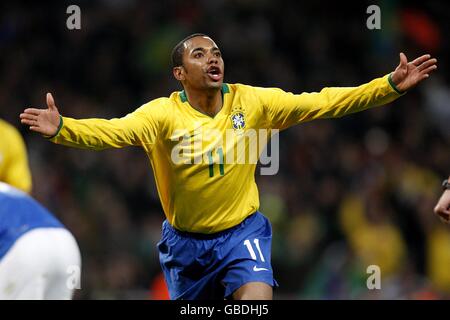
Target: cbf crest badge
[[238, 118]]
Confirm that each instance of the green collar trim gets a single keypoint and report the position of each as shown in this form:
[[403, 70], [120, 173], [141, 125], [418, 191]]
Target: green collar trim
[[225, 89], [183, 96]]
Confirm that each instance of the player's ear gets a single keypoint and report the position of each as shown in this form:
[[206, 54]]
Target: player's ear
[[178, 73]]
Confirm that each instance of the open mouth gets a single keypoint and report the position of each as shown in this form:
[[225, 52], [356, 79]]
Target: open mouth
[[214, 73]]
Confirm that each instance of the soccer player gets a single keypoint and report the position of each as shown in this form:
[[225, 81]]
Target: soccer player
[[39, 257], [14, 168], [442, 208], [215, 243]]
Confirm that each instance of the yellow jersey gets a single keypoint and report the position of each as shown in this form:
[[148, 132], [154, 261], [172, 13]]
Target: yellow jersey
[[205, 191], [14, 168]]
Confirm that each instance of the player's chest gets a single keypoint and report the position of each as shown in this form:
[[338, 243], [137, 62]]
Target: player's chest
[[236, 118]]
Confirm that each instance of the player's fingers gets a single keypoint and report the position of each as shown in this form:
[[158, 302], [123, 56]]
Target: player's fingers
[[33, 111], [441, 210], [444, 218], [426, 73], [50, 102], [35, 128], [446, 213], [28, 116], [429, 69], [403, 59], [420, 60], [427, 64], [29, 122]]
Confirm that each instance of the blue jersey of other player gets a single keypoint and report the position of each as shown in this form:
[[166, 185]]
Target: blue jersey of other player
[[19, 213]]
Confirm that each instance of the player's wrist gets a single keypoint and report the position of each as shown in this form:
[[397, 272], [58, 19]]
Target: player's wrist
[[392, 82], [60, 125]]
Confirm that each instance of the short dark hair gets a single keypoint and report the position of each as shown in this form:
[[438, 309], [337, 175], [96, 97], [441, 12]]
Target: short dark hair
[[178, 50]]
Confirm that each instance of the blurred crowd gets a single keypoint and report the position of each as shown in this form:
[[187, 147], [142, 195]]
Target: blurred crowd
[[350, 193]]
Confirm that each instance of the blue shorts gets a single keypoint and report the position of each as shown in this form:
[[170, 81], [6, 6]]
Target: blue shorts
[[213, 266]]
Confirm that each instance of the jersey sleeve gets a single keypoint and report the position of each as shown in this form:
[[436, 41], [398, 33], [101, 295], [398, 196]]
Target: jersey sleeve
[[284, 109], [139, 128], [17, 171]]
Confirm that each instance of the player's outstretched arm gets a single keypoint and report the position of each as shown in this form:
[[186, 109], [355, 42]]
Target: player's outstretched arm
[[283, 109], [409, 74], [138, 128], [43, 121]]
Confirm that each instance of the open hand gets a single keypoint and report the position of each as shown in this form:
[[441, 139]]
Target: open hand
[[44, 121], [409, 74]]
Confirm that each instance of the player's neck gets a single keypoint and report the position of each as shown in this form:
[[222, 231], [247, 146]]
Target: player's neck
[[207, 102]]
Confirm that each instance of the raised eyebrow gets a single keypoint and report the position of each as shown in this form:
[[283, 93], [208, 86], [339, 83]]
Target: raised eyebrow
[[203, 49], [198, 49]]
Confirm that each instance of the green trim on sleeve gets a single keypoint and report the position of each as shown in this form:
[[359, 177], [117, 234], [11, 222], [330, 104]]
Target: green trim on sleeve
[[393, 85], [61, 123]]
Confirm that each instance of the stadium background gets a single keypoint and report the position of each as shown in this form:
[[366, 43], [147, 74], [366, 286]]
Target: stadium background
[[350, 192]]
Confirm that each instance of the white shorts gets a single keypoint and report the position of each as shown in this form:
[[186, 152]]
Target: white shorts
[[44, 263]]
